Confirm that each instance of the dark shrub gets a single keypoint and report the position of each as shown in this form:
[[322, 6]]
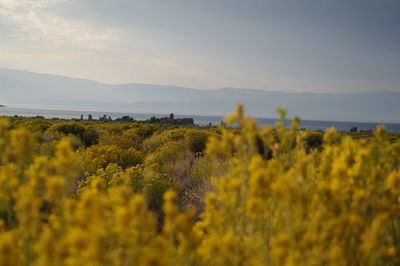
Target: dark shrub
[[196, 140], [314, 139], [88, 136]]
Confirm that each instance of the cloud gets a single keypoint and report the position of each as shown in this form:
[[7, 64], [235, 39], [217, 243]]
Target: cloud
[[14, 4], [32, 20]]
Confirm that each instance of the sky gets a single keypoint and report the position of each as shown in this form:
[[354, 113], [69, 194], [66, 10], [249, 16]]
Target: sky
[[286, 45]]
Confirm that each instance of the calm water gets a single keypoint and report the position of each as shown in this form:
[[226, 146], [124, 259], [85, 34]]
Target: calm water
[[198, 119]]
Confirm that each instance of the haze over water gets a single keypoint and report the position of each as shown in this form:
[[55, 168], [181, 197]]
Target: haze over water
[[200, 120]]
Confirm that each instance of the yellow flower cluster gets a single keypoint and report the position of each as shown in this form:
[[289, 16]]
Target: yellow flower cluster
[[272, 200]]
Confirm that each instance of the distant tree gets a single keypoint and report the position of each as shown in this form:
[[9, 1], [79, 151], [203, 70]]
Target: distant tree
[[171, 116], [153, 119], [90, 118], [126, 118], [81, 117], [103, 118]]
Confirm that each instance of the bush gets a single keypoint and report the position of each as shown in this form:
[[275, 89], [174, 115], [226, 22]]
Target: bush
[[99, 157], [196, 140], [314, 139], [89, 136], [338, 205], [154, 142], [171, 160], [36, 125]]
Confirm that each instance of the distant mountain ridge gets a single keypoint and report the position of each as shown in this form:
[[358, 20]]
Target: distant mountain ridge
[[26, 88]]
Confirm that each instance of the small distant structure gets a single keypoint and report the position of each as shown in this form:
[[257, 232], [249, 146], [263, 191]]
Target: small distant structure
[[104, 118], [171, 120], [125, 118], [354, 129], [81, 117]]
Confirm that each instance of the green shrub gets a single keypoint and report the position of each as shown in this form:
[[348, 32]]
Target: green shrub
[[314, 139], [99, 157], [196, 140], [88, 135], [156, 141]]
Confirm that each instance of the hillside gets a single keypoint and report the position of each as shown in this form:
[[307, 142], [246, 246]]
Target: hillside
[[27, 88]]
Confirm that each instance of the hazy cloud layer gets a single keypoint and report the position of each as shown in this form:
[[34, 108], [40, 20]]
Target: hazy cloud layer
[[306, 45], [32, 21]]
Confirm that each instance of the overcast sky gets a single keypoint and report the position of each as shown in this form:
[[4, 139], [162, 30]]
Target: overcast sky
[[288, 45]]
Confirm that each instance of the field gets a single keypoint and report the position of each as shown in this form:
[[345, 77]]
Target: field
[[123, 193]]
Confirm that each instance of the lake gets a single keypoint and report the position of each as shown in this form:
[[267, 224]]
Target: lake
[[198, 119]]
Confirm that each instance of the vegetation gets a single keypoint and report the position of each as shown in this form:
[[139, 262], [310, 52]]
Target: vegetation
[[123, 193]]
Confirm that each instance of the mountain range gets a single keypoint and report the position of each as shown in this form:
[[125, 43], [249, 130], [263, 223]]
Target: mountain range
[[22, 88]]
